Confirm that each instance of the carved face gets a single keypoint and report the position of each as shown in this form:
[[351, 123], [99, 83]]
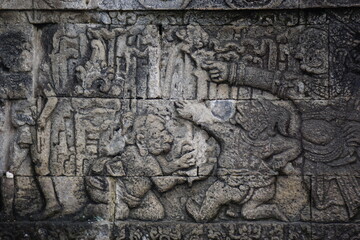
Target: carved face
[[251, 117], [199, 38], [152, 134], [158, 139], [195, 36], [312, 51]]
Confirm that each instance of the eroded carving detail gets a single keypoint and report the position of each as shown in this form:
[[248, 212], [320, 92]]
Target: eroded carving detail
[[152, 121], [247, 165]]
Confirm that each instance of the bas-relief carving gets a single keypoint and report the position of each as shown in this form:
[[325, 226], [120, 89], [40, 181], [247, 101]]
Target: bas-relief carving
[[247, 165], [320, 152], [295, 66], [95, 61], [249, 125]]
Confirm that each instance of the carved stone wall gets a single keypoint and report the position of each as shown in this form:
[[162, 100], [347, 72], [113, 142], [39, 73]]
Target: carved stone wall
[[180, 119]]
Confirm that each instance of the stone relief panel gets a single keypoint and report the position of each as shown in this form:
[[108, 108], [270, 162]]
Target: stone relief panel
[[156, 4], [55, 231], [172, 126], [138, 157], [253, 4], [330, 157]]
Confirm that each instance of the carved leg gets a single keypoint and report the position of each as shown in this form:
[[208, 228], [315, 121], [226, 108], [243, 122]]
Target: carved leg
[[150, 209], [217, 195], [164, 184], [52, 205], [122, 210], [256, 209]]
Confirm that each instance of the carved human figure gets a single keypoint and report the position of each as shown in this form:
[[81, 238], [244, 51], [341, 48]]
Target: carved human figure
[[321, 131], [65, 48], [332, 152], [144, 163], [53, 149], [22, 118], [40, 154], [180, 79], [97, 74], [312, 54], [248, 164], [146, 160]]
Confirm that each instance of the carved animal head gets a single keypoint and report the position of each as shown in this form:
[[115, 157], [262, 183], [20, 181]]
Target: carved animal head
[[312, 52]]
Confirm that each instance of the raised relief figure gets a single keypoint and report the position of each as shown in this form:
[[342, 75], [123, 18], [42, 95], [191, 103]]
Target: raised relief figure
[[312, 54], [182, 67], [96, 74], [248, 164], [142, 164], [331, 148], [41, 155], [332, 152]]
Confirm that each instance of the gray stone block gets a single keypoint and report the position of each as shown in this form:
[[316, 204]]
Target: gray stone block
[[16, 4], [47, 230]]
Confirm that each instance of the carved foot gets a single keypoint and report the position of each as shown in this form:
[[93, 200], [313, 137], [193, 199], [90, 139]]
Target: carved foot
[[49, 211], [193, 210], [122, 211], [280, 216]]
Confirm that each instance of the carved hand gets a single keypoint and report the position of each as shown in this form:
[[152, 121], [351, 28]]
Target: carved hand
[[218, 71], [185, 161], [277, 163], [184, 109]]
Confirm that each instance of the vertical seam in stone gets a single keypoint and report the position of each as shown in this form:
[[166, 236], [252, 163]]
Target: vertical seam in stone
[[36, 59]]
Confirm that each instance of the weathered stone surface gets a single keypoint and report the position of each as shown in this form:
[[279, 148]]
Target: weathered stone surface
[[335, 231], [16, 4], [328, 3], [173, 5], [344, 54], [241, 230], [157, 124], [66, 230], [16, 54], [158, 231]]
